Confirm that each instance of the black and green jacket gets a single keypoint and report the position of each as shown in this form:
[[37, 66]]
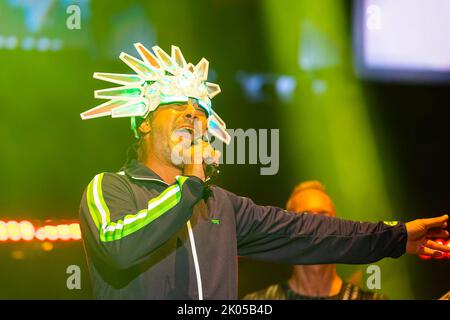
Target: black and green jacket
[[146, 239]]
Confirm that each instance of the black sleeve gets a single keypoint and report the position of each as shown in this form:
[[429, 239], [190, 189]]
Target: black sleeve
[[271, 233], [121, 234]]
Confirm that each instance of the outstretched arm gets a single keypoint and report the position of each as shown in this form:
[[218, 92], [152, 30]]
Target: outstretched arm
[[271, 233]]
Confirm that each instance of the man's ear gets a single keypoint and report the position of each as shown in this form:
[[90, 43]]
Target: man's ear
[[145, 127]]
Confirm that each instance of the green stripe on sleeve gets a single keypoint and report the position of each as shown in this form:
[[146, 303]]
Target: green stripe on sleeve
[[156, 207], [91, 205]]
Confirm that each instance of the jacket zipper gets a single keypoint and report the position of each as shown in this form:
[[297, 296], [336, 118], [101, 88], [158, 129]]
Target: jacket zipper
[[196, 264], [192, 240]]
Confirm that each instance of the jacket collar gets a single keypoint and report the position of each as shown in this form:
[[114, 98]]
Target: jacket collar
[[138, 171]]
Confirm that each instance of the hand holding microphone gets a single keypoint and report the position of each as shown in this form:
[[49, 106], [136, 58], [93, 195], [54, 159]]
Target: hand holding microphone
[[200, 157]]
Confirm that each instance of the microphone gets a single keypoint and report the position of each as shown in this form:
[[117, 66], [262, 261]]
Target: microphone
[[211, 167]]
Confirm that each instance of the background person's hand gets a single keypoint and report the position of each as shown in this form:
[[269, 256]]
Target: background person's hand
[[421, 233]]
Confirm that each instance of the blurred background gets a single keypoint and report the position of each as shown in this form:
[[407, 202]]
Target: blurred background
[[358, 89]]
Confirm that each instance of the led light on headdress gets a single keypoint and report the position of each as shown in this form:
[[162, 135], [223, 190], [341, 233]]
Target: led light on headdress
[[160, 78]]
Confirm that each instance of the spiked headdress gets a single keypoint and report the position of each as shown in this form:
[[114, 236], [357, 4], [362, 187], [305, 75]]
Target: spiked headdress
[[160, 79]]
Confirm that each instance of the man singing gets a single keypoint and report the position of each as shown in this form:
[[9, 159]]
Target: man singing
[[158, 229]]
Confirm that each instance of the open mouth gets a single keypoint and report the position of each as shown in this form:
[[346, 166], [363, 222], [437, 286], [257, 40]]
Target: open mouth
[[185, 133]]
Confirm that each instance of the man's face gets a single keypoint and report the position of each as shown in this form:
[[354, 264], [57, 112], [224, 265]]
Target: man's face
[[174, 122], [313, 201]]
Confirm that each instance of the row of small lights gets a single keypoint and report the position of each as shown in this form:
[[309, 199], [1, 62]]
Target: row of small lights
[[30, 43], [26, 231]]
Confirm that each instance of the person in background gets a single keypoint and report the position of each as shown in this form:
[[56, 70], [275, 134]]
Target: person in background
[[319, 281]]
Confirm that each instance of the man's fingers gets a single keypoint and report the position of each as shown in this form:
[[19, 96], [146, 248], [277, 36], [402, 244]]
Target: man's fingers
[[438, 222], [437, 233], [193, 154], [210, 155], [436, 246], [430, 252], [217, 155]]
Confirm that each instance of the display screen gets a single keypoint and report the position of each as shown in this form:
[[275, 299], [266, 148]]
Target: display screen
[[403, 39]]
